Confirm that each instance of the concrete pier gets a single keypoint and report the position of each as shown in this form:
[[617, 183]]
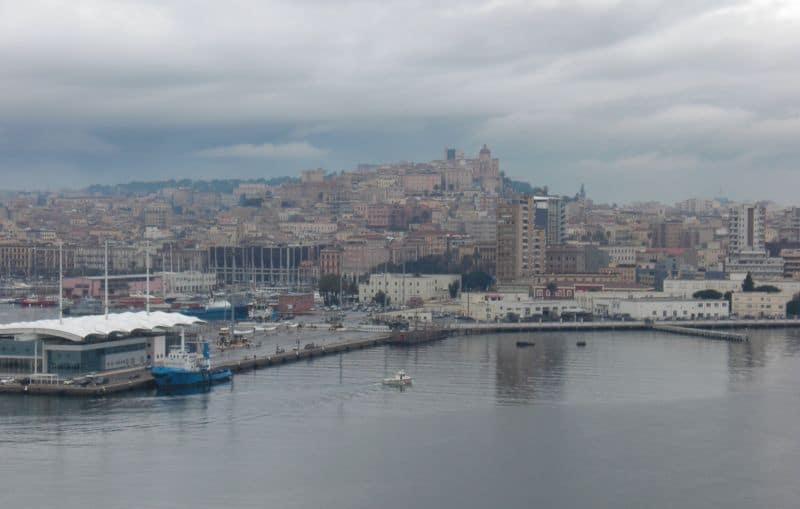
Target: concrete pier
[[263, 361], [139, 378], [609, 325], [705, 333], [115, 382]]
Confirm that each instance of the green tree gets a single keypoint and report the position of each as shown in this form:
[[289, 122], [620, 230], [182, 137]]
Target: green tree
[[476, 280], [767, 289], [453, 288], [793, 306], [380, 298], [329, 283], [552, 287], [329, 288], [748, 285], [707, 294]]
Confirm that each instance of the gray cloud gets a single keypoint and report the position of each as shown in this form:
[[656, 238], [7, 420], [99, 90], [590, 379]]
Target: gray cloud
[[293, 150], [563, 91]]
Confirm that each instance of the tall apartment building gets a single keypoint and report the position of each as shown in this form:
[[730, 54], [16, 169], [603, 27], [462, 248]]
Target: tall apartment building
[[789, 226], [520, 244], [550, 215], [667, 234], [746, 229], [746, 244]]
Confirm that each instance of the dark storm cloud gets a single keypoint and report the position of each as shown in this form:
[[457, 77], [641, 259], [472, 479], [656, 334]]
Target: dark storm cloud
[[701, 95]]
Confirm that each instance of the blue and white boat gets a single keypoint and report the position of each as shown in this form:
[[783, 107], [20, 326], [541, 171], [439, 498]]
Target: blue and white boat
[[217, 310], [182, 368]]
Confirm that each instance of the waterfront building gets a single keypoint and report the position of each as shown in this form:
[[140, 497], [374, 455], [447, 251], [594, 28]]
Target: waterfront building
[[660, 308], [79, 345], [687, 287], [402, 288], [495, 306], [760, 304], [586, 298], [295, 302]]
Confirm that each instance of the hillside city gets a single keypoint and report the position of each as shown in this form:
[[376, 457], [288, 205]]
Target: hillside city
[[453, 233]]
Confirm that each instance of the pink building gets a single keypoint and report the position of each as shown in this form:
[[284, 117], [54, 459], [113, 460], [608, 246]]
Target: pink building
[[118, 286]]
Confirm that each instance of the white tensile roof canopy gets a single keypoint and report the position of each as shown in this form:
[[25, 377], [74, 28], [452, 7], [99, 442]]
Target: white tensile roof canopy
[[79, 328]]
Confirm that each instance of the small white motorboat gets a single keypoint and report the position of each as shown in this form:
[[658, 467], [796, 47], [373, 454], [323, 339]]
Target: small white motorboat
[[398, 380]]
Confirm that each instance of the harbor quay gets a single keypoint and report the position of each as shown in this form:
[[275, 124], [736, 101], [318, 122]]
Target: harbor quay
[[700, 326], [96, 356]]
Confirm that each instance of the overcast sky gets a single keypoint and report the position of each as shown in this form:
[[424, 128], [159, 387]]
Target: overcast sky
[[640, 100]]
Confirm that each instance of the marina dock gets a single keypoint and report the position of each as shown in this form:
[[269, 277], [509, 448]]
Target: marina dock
[[140, 378], [724, 335], [614, 325], [258, 358]]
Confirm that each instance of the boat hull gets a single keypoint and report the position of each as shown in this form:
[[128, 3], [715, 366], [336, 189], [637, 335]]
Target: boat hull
[[216, 314], [170, 378]]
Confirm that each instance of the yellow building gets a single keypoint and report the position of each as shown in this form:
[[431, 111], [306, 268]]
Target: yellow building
[[760, 304]]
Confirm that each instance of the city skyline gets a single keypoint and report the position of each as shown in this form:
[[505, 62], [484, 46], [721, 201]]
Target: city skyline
[[617, 95]]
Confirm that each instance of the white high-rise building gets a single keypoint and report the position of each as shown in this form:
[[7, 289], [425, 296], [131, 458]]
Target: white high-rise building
[[746, 229], [746, 244], [551, 215]]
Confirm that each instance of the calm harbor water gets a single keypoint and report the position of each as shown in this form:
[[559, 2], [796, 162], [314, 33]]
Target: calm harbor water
[[632, 420]]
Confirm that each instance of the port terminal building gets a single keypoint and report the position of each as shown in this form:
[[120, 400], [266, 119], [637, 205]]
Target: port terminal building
[[77, 345]]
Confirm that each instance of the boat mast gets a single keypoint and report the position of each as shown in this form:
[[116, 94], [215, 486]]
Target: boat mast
[[147, 277], [60, 282], [105, 279]]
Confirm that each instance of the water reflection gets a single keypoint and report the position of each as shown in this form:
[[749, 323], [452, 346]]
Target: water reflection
[[522, 373], [746, 358], [183, 391]]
